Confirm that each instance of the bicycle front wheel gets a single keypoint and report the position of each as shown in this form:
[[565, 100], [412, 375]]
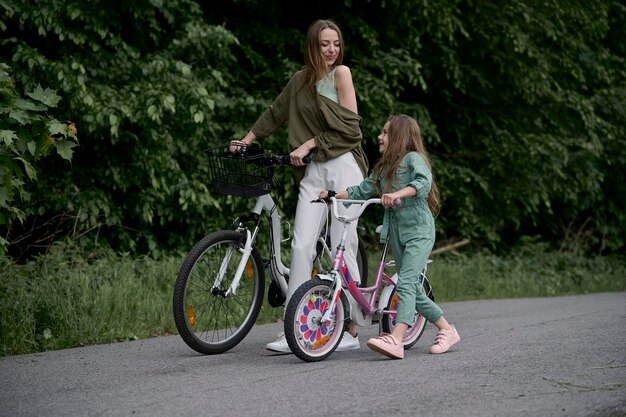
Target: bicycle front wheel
[[415, 331], [209, 320], [309, 338]]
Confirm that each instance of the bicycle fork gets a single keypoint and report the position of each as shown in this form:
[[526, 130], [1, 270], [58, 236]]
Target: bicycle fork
[[263, 204], [336, 288], [246, 251], [338, 279]]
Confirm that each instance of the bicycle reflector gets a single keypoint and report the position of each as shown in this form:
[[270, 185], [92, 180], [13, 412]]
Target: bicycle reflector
[[320, 342], [249, 270], [191, 316]]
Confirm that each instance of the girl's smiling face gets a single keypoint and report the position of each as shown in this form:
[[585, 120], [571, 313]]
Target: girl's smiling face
[[383, 139], [330, 46]]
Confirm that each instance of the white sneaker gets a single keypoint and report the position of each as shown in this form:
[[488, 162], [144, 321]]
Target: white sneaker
[[279, 345], [348, 342]]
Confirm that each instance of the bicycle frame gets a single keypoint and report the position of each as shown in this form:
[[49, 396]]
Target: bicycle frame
[[367, 303], [264, 204], [278, 270]]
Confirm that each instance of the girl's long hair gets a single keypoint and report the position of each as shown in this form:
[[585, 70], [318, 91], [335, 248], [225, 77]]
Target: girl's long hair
[[314, 65], [404, 136]]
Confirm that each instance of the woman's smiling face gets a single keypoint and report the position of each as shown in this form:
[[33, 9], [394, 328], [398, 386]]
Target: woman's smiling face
[[330, 46]]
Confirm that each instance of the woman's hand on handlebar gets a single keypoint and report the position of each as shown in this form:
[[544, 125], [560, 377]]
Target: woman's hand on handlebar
[[326, 195], [298, 156], [237, 145]]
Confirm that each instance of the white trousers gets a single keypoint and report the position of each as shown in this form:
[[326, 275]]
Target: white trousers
[[337, 174]]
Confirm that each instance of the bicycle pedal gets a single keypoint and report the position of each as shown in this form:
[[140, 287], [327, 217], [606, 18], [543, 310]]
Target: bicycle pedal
[[275, 296]]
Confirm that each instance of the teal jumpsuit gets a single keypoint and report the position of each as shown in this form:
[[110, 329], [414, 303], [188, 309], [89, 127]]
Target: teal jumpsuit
[[411, 230]]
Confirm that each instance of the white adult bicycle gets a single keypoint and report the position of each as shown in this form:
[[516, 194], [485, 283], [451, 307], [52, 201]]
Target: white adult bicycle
[[220, 285]]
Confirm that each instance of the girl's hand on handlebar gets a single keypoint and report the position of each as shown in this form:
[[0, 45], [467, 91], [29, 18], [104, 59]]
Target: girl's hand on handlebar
[[390, 200]]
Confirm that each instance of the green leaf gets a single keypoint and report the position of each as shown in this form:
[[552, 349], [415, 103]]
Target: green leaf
[[30, 170], [7, 136], [4, 196], [55, 128], [32, 147], [64, 148], [22, 117], [198, 117], [48, 96], [28, 105], [202, 91]]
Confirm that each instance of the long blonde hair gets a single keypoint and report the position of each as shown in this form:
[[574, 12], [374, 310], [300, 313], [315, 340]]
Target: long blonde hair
[[404, 136], [314, 66]]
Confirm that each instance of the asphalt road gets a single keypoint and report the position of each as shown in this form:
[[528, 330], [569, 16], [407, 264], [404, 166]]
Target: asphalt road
[[563, 356]]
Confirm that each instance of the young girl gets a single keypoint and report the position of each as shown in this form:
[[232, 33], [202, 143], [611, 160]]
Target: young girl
[[404, 172]]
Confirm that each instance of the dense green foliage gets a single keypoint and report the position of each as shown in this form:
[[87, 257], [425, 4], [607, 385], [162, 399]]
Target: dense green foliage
[[63, 300], [27, 134], [522, 104]]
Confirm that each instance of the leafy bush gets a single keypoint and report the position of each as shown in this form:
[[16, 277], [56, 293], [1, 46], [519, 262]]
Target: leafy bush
[[522, 107], [27, 134]]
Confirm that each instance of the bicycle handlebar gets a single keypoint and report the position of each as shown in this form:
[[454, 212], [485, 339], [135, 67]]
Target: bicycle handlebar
[[257, 155], [286, 160], [364, 204]]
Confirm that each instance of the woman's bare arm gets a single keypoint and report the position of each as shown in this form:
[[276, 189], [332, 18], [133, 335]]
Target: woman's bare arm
[[345, 88]]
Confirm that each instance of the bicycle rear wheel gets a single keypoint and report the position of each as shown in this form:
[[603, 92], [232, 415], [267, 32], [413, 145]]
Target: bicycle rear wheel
[[208, 320], [415, 331], [308, 338]]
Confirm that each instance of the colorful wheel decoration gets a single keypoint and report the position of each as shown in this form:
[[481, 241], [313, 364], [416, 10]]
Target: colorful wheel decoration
[[310, 327]]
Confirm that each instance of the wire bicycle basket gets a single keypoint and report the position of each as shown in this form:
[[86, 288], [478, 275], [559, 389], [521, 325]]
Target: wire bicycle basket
[[245, 173]]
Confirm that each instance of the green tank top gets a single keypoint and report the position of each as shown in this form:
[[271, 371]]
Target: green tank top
[[326, 87]]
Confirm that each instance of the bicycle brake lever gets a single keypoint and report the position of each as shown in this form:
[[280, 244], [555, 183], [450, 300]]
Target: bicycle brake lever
[[283, 159]]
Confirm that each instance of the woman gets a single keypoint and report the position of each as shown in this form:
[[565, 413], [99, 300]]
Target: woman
[[319, 104]]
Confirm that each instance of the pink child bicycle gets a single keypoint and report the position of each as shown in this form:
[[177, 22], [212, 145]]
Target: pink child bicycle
[[318, 313]]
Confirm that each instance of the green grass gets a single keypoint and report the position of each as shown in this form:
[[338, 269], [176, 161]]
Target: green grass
[[63, 300], [60, 302], [456, 278]]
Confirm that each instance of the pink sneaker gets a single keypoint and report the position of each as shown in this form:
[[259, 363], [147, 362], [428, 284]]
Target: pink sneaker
[[444, 340], [387, 345]]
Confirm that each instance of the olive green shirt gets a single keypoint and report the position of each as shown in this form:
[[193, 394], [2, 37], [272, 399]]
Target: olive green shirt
[[335, 129]]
